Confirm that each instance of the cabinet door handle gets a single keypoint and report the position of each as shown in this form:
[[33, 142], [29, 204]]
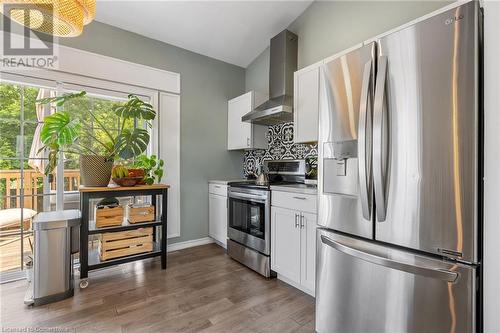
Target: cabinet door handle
[[300, 198], [248, 142], [296, 220], [301, 221], [217, 186]]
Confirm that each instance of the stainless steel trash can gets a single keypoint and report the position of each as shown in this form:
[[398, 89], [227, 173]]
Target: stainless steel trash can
[[56, 241]]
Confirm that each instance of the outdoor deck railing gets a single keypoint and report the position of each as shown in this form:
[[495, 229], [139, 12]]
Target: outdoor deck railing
[[32, 182]]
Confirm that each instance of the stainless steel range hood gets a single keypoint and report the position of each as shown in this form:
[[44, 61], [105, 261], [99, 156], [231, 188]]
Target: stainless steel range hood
[[283, 63]]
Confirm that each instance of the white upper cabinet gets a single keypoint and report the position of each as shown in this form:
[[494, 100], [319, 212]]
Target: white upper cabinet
[[306, 104], [243, 135]]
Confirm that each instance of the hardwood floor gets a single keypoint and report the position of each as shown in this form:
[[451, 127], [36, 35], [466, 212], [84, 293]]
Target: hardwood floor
[[202, 290]]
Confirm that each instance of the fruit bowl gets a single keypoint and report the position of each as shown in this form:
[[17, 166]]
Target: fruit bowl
[[127, 181], [136, 172]]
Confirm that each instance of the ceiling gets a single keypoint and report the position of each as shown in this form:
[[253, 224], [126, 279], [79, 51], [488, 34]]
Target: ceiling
[[232, 31]]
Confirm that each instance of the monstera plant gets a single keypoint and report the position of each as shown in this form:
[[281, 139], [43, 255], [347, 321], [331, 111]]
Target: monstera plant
[[72, 133]]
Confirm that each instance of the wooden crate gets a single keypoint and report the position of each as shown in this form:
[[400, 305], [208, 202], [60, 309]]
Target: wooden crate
[[140, 214], [107, 217], [124, 243]]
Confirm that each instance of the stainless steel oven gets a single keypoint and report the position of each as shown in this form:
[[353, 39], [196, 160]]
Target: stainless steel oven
[[249, 218], [249, 215]]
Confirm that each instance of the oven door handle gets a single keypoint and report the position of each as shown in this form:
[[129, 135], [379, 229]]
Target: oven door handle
[[246, 196]]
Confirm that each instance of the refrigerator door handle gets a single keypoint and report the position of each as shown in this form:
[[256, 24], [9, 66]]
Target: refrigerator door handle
[[364, 142], [441, 274], [379, 139]]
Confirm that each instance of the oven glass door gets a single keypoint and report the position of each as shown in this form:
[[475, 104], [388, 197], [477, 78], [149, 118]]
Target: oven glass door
[[248, 217], [248, 221]]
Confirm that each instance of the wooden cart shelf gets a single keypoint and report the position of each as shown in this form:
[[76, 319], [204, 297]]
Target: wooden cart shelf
[[89, 259], [137, 188], [124, 226], [95, 262]]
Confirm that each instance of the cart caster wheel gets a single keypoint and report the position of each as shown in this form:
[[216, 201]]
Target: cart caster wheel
[[84, 284]]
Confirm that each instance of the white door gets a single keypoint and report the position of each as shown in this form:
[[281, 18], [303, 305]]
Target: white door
[[308, 251], [285, 243], [217, 226], [239, 133], [306, 103]]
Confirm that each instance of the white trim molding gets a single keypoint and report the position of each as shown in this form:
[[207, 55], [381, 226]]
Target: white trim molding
[[107, 68], [190, 243], [168, 128], [491, 231], [96, 66]]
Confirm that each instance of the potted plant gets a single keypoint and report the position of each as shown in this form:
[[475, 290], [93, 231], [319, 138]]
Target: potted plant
[[151, 166], [63, 132]]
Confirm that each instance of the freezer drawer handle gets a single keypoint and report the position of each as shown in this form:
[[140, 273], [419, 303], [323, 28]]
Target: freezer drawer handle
[[434, 273]]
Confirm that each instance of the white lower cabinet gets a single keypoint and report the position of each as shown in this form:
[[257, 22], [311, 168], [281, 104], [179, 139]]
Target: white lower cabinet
[[217, 214], [308, 252], [293, 247], [285, 251]]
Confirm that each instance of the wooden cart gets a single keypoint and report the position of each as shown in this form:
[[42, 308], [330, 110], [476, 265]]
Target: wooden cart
[[90, 259]]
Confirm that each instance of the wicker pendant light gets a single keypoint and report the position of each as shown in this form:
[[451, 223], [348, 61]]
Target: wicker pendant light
[[63, 18]]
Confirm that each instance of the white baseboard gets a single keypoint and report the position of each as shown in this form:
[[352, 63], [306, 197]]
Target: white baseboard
[[220, 243], [296, 285], [190, 243]]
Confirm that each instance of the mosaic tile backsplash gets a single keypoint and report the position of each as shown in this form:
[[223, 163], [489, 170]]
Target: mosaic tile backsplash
[[281, 147]]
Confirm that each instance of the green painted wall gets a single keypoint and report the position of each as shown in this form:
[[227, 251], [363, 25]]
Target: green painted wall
[[257, 73], [206, 85], [328, 27]]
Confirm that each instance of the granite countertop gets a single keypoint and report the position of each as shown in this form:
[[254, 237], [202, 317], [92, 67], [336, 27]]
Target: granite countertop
[[296, 188]]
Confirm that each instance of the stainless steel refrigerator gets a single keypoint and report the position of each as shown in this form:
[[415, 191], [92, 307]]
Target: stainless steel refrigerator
[[399, 206]]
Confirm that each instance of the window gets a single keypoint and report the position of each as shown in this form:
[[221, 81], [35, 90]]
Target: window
[[105, 121], [24, 189]]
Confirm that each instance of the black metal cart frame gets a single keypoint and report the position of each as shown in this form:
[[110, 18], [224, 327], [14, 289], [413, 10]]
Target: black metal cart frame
[[90, 261]]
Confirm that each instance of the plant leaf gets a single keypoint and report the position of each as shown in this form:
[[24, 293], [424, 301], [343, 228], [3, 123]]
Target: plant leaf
[[60, 100], [60, 129], [135, 108], [131, 143]]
